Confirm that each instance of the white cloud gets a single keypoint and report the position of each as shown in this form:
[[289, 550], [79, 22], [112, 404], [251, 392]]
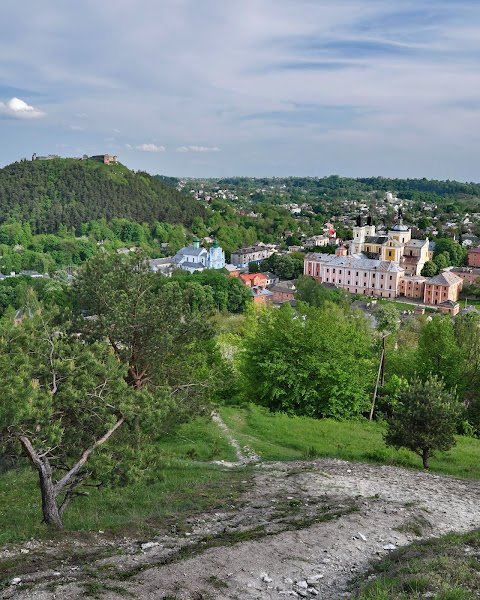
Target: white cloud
[[197, 149], [150, 148], [76, 128], [18, 109]]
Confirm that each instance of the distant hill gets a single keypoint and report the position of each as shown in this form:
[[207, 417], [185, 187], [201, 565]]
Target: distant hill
[[47, 193]]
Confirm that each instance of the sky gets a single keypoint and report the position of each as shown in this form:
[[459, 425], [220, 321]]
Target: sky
[[258, 88]]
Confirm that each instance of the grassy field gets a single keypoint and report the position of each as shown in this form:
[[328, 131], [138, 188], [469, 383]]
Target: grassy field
[[446, 568], [279, 437], [186, 483]]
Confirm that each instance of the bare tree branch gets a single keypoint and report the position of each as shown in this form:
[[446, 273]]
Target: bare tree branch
[[85, 456]]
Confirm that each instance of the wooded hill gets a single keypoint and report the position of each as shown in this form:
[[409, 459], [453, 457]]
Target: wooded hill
[[47, 193]]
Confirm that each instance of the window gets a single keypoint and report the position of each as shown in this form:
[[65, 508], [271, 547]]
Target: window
[[333, 270], [391, 277], [357, 274]]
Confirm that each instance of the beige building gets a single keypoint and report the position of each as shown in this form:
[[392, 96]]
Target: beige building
[[355, 273], [381, 278], [397, 245], [242, 256], [444, 286]]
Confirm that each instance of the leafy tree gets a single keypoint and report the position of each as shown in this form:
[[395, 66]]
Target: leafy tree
[[442, 260], [315, 294], [316, 362], [387, 318], [62, 400], [438, 352], [151, 327], [425, 420], [467, 335], [430, 269], [455, 251]]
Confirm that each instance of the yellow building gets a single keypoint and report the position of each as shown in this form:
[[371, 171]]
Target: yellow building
[[397, 245]]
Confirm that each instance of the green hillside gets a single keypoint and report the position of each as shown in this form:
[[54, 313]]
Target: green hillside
[[47, 193]]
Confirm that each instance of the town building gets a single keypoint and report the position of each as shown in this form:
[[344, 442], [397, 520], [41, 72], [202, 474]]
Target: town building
[[468, 274], [381, 278], [441, 288], [261, 296], [284, 291], [271, 278], [474, 257], [397, 245], [164, 266], [356, 273], [232, 270], [449, 307], [254, 280], [316, 241], [195, 258], [256, 253]]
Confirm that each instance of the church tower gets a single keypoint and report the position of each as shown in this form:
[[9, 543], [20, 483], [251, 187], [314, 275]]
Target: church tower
[[216, 257]]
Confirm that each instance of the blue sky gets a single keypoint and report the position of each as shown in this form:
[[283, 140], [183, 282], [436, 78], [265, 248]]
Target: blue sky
[[258, 87]]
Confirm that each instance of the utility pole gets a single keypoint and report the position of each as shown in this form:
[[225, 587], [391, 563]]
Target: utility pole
[[381, 373]]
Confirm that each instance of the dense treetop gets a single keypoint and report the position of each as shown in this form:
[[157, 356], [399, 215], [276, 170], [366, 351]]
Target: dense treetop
[[47, 193]]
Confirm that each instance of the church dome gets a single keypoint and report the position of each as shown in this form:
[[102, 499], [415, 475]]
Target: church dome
[[399, 227]]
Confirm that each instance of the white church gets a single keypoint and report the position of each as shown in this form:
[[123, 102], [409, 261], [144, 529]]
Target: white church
[[195, 258]]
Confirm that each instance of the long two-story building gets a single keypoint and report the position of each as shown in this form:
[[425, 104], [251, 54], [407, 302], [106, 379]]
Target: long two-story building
[[385, 279]]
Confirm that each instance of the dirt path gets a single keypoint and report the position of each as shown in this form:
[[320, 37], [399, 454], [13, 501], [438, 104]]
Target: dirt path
[[245, 455], [302, 530]]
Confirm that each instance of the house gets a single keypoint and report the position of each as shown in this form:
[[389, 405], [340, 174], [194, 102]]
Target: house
[[195, 258], [474, 257], [233, 271], [164, 266], [126, 250], [449, 307], [271, 278], [256, 253], [283, 291], [316, 240], [33, 274], [254, 280], [261, 295]]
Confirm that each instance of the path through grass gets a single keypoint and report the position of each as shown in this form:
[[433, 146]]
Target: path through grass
[[280, 437]]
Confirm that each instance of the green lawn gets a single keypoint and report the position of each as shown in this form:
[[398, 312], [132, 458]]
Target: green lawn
[[446, 568], [182, 486], [280, 437]]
